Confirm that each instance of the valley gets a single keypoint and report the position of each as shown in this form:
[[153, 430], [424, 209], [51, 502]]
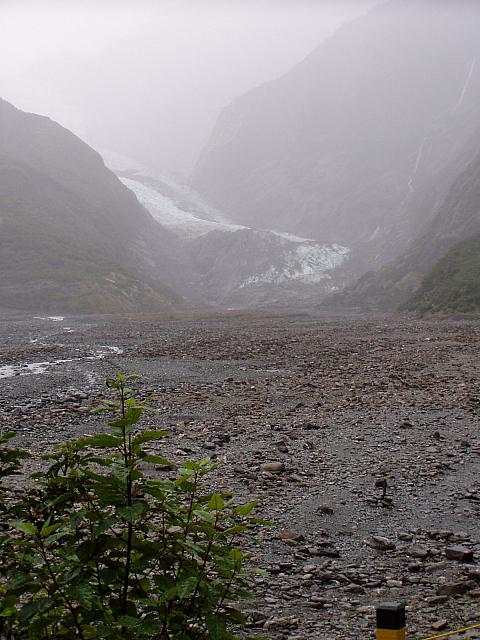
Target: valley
[[305, 412], [290, 263]]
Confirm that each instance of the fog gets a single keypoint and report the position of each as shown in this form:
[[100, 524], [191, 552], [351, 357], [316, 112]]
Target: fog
[[148, 79], [272, 279]]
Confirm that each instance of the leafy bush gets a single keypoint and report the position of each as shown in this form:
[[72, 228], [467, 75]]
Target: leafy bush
[[105, 545]]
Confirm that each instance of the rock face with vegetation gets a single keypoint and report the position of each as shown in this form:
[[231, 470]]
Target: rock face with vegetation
[[72, 237], [440, 268], [358, 144], [453, 286]]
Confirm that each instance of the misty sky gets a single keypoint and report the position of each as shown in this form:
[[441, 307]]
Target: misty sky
[[147, 79]]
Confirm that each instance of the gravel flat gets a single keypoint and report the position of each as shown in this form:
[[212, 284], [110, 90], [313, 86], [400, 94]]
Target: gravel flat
[[306, 412]]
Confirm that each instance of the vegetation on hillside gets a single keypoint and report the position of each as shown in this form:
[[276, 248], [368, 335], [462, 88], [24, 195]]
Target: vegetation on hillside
[[453, 286]]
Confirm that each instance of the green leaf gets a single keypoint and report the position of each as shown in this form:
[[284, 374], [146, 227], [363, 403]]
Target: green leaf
[[104, 409], [25, 527], [196, 465], [84, 594], [9, 606], [148, 627], [149, 436], [245, 509], [217, 628], [103, 440], [8, 611], [206, 516], [133, 513], [21, 581], [153, 459], [234, 615], [128, 621], [216, 502], [35, 607], [46, 531], [132, 416], [237, 556], [8, 435], [186, 587]]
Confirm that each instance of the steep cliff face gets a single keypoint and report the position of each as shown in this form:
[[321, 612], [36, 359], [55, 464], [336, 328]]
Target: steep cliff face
[[417, 279], [359, 143], [72, 237]]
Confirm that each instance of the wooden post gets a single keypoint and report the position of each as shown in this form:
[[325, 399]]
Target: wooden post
[[391, 621]]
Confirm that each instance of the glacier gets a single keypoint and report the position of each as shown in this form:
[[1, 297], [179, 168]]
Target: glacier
[[276, 257]]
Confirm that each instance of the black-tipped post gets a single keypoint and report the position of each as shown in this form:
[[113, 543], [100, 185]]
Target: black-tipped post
[[391, 621]]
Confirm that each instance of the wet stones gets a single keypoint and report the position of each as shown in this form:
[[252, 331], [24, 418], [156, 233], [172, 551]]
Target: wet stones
[[393, 583]]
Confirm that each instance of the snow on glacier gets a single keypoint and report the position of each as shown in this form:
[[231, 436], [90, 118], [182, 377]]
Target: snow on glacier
[[294, 258], [170, 215], [306, 263]]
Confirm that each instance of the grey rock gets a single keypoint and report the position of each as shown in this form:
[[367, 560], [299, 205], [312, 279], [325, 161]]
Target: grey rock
[[461, 554], [439, 625], [381, 543], [455, 588], [273, 467], [417, 552], [325, 509]]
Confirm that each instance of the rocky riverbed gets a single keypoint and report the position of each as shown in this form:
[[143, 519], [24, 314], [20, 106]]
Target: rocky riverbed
[[306, 414]]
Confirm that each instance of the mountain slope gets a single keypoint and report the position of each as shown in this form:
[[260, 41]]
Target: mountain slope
[[453, 285], [72, 237], [457, 221], [359, 143]]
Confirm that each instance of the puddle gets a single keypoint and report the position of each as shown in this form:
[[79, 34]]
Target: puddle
[[52, 318], [36, 368]]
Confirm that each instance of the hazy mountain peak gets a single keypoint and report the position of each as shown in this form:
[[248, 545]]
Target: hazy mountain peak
[[358, 143], [73, 237]]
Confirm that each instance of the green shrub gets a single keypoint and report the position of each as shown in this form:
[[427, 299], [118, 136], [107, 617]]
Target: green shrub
[[101, 548]]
